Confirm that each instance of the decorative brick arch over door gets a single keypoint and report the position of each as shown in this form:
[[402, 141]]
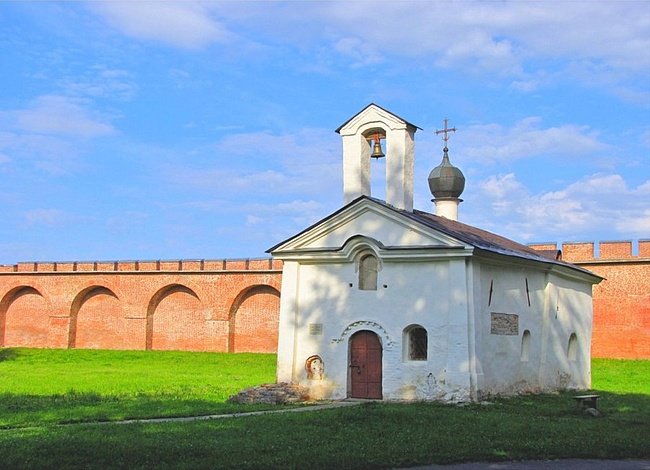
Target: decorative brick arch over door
[[365, 365]]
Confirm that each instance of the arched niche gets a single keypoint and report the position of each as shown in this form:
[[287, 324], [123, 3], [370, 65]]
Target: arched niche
[[176, 320], [253, 320], [24, 318], [96, 320]]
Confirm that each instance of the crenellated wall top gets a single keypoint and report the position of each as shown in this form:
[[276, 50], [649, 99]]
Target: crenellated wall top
[[230, 265], [608, 251], [573, 252]]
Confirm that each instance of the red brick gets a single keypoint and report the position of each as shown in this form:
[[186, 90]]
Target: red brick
[[148, 266], [236, 265], [86, 266], [26, 267], [578, 251], [214, 265], [129, 309], [616, 250], [192, 265]]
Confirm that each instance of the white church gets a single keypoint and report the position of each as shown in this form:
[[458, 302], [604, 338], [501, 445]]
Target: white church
[[383, 301]]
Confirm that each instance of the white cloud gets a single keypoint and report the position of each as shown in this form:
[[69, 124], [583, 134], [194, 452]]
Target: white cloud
[[275, 222], [261, 163], [100, 82], [180, 24], [360, 52], [532, 42], [49, 217], [51, 132], [638, 226], [527, 138], [60, 115], [595, 204]]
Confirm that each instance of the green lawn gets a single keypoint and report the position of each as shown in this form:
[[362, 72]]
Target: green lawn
[[371, 435], [42, 386]]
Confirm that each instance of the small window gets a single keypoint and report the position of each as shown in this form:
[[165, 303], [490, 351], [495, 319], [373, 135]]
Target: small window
[[368, 272], [525, 346], [572, 348], [416, 343]]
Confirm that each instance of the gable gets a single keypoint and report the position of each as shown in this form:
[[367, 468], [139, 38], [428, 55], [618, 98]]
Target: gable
[[366, 222], [373, 115]]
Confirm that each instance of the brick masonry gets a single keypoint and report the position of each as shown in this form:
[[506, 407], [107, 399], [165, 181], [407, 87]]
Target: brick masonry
[[622, 301], [233, 305], [197, 305]]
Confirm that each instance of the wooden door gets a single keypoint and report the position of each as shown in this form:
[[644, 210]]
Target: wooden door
[[365, 365]]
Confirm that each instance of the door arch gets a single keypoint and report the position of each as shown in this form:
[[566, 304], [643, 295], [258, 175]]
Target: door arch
[[365, 365]]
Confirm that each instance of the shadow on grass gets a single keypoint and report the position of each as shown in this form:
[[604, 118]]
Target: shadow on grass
[[8, 354], [370, 435], [20, 411]]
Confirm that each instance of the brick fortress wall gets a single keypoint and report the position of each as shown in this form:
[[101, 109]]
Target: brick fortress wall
[[233, 305], [621, 301], [199, 305]]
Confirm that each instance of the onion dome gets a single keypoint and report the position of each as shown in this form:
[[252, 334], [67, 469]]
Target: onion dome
[[445, 180]]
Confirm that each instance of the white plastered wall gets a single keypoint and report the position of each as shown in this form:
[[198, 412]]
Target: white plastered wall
[[501, 367], [429, 294]]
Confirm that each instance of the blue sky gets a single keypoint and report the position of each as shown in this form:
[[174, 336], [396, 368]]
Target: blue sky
[[167, 130]]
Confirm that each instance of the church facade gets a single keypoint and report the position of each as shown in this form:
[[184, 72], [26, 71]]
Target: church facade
[[382, 301]]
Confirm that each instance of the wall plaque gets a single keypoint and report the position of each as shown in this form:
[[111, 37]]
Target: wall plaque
[[315, 329], [504, 324]]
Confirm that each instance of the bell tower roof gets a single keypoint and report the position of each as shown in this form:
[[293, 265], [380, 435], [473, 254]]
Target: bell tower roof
[[372, 106]]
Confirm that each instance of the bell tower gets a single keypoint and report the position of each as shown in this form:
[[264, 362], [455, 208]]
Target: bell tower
[[361, 135]]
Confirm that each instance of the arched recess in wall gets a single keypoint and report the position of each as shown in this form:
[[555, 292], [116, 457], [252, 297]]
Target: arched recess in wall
[[24, 318], [368, 267], [525, 346], [176, 320], [254, 319], [96, 320], [572, 347]]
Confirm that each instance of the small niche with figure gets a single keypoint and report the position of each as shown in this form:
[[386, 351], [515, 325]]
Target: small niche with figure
[[315, 368]]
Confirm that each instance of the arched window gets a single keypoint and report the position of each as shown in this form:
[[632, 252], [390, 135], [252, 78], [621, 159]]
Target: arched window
[[415, 343], [525, 346], [572, 348], [368, 267]]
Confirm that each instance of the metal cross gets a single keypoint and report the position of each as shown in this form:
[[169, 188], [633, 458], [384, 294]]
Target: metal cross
[[446, 131]]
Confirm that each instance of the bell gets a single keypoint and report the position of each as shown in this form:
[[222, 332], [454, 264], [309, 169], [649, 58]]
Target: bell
[[377, 152]]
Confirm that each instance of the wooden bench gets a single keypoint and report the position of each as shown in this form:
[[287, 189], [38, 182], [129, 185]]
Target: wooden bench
[[587, 401]]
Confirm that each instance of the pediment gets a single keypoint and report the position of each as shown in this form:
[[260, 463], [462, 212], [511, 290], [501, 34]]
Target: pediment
[[366, 221], [371, 116]]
